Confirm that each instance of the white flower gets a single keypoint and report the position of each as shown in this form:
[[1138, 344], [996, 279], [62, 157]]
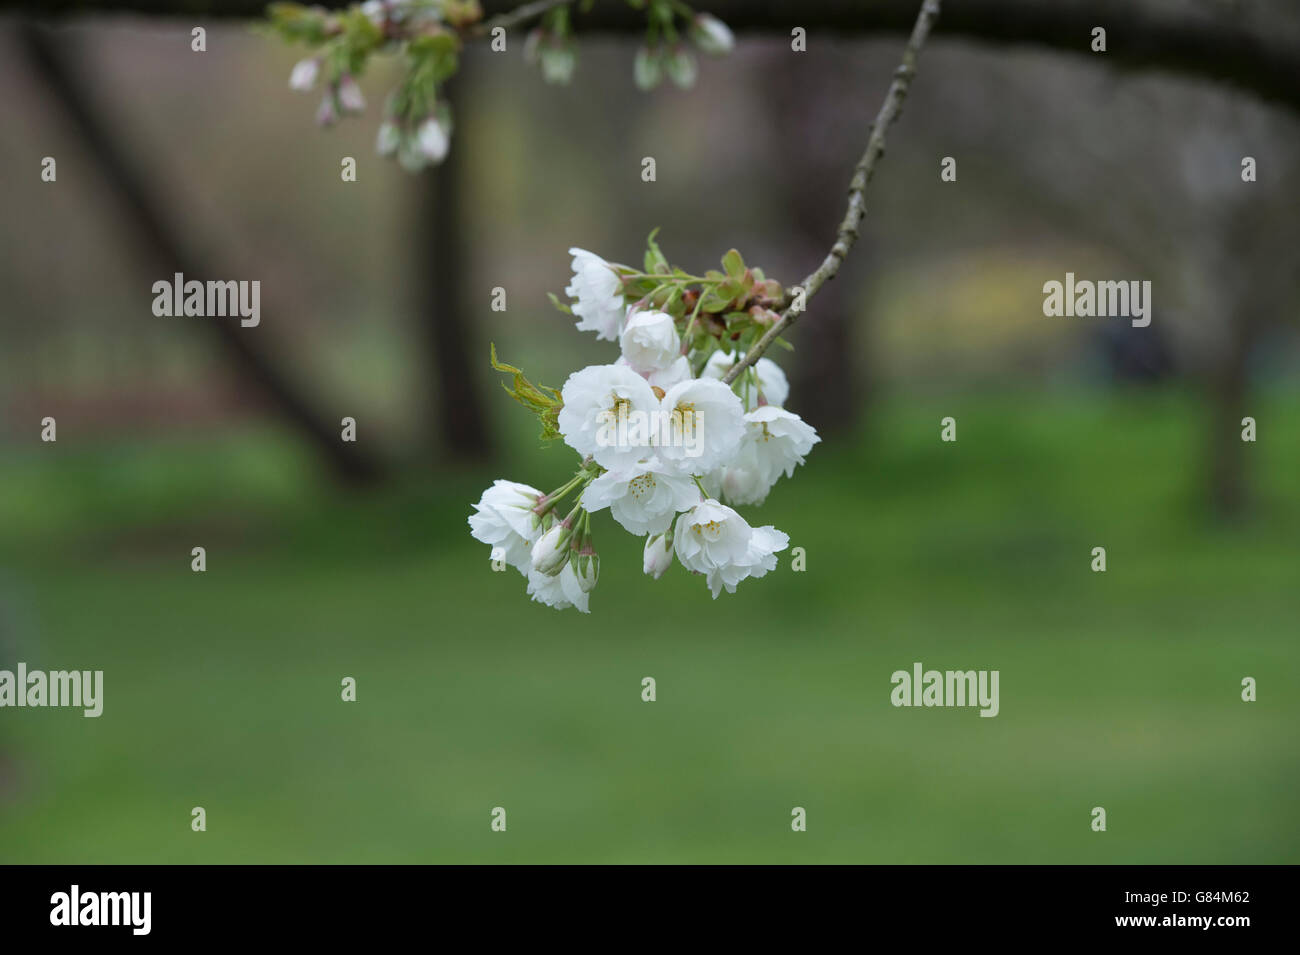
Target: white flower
[[658, 555], [705, 425], [350, 98], [374, 11], [771, 379], [643, 497], [303, 76], [711, 35], [678, 371], [775, 442], [551, 552], [504, 519], [781, 438], [598, 291], [558, 591], [714, 540], [433, 140], [608, 413], [649, 341], [743, 481]]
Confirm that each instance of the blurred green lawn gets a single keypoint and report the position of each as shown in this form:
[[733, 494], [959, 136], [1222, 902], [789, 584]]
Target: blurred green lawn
[[1119, 690]]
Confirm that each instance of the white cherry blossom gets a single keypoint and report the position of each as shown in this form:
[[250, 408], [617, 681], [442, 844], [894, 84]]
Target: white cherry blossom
[[504, 519], [609, 412], [712, 539], [642, 497], [704, 424], [649, 341], [598, 292]]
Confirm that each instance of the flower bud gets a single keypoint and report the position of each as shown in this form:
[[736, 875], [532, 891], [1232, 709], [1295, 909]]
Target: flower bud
[[350, 98], [303, 76], [389, 138], [327, 113], [681, 68], [587, 569], [558, 63], [711, 35], [647, 69], [533, 44], [658, 554], [409, 155], [551, 552], [433, 140]]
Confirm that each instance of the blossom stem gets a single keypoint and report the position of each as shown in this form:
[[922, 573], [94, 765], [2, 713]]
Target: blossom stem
[[848, 231], [548, 501]]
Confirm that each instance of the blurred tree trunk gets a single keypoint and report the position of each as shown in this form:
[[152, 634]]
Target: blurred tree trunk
[[452, 352], [1248, 293], [167, 246]]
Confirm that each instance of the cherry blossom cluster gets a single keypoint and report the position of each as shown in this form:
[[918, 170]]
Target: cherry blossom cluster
[[429, 35], [663, 440]]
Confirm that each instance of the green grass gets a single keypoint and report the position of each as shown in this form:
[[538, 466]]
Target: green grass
[[1119, 690]]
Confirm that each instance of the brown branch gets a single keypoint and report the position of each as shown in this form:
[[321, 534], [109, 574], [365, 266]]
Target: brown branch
[[1260, 55], [848, 231]]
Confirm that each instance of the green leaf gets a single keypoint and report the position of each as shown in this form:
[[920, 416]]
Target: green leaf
[[734, 264], [542, 401], [655, 260], [714, 301]]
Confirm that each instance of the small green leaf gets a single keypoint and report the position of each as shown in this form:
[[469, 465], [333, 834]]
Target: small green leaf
[[655, 261], [734, 264], [714, 301]]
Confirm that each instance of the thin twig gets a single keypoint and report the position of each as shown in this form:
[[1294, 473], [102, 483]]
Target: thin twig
[[518, 15], [848, 231]]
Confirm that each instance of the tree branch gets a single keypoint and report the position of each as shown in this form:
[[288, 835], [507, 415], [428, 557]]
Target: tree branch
[[1209, 41], [848, 231], [518, 15]]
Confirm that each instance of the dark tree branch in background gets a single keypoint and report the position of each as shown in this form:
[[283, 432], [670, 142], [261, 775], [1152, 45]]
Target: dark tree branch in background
[[1262, 56], [164, 243], [519, 15], [848, 231]]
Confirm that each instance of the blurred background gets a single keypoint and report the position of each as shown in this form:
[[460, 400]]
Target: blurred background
[[327, 560]]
